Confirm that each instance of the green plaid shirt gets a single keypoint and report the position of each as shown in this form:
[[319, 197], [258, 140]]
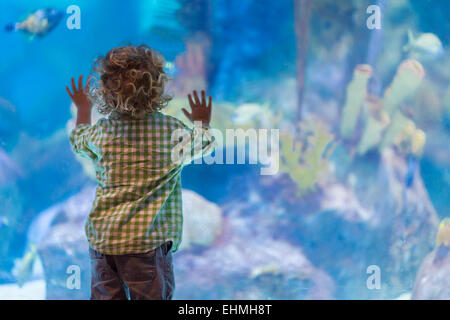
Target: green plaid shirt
[[138, 199]]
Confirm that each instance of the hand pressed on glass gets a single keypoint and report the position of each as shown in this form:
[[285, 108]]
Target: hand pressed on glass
[[200, 111], [81, 100]]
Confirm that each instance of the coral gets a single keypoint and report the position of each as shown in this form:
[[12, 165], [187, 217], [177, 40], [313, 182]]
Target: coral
[[403, 133], [202, 222], [410, 140], [305, 163], [356, 93], [398, 122], [376, 121], [443, 236], [385, 123], [433, 278], [191, 68], [406, 81]]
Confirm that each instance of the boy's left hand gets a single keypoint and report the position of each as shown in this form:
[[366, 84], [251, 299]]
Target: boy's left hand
[[79, 96]]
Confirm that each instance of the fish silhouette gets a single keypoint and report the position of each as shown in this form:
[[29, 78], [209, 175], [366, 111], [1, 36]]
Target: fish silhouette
[[427, 45], [38, 23]]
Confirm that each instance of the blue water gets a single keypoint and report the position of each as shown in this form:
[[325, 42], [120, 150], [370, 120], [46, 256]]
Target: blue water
[[251, 59]]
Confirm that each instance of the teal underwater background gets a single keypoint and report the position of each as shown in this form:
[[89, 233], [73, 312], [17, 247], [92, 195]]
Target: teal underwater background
[[360, 206]]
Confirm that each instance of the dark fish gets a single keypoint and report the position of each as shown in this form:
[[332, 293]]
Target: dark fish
[[39, 23], [412, 164]]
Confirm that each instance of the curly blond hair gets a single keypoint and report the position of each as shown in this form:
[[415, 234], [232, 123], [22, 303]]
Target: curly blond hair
[[130, 80]]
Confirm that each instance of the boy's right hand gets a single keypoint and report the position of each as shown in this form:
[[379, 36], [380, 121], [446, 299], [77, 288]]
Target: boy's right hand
[[200, 111]]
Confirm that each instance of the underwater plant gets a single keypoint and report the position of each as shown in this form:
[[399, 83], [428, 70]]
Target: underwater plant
[[410, 140], [385, 123], [356, 93], [407, 79], [376, 121], [306, 161], [443, 236]]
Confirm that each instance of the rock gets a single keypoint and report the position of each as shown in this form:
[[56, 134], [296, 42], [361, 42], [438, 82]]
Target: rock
[[59, 233], [261, 247], [365, 216], [401, 226], [404, 296], [400, 221], [63, 244], [33, 290], [408, 216], [245, 264], [202, 220], [39, 173], [433, 278], [344, 202]]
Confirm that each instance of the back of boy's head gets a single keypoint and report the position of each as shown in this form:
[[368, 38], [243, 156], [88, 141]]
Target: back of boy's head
[[131, 82]]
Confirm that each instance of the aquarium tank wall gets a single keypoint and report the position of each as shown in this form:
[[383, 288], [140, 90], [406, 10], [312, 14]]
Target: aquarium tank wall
[[349, 102]]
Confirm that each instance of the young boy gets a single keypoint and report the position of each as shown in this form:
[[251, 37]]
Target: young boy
[[136, 219]]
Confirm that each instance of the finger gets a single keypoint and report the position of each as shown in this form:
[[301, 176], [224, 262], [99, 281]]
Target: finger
[[74, 87], [210, 102], [80, 83], [187, 114], [196, 99], [209, 110], [70, 93], [203, 99], [191, 103]]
